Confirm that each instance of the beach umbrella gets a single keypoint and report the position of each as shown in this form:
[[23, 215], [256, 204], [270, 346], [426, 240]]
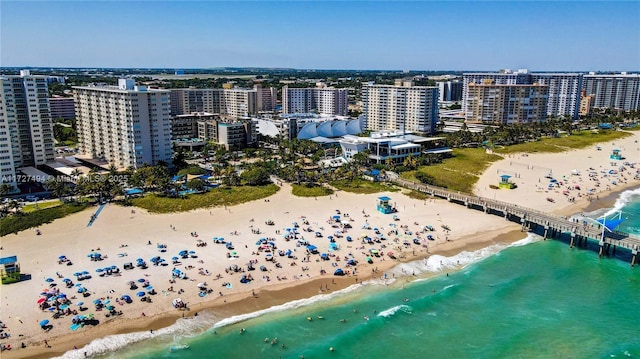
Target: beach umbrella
[[66, 280], [78, 285], [99, 270], [62, 257], [62, 295], [148, 287], [126, 297], [41, 300], [64, 306], [49, 280], [80, 304], [77, 274], [96, 301], [140, 294], [192, 252], [44, 322], [141, 280], [106, 302], [114, 267], [84, 272], [234, 253], [174, 259], [110, 307], [52, 309]]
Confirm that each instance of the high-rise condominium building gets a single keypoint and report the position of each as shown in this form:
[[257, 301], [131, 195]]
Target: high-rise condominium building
[[62, 107], [267, 97], [564, 88], [26, 131], [233, 102], [126, 125], [618, 92], [401, 107], [506, 104], [450, 91], [324, 100], [564, 93]]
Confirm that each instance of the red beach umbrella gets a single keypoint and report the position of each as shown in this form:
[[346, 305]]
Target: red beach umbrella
[[40, 301]]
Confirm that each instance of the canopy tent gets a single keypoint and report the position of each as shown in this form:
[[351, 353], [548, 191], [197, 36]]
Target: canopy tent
[[610, 224]]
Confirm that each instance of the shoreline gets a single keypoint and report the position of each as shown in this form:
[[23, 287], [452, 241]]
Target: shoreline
[[472, 230], [269, 296]]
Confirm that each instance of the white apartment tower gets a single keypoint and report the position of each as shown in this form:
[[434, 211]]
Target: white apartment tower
[[126, 125], [401, 107], [324, 100], [26, 130], [618, 92], [234, 102]]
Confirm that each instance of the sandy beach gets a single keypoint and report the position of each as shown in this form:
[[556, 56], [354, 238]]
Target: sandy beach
[[212, 273]]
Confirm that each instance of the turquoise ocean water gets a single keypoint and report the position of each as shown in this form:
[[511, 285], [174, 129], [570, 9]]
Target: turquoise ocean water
[[533, 299]]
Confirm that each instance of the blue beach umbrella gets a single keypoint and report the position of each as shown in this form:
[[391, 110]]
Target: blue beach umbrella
[[84, 272], [78, 284], [96, 301], [44, 322], [126, 297], [49, 280], [66, 280], [99, 270], [141, 280], [106, 302], [140, 294], [62, 257], [80, 304]]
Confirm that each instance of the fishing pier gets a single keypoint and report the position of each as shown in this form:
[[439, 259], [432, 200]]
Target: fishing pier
[[549, 225]]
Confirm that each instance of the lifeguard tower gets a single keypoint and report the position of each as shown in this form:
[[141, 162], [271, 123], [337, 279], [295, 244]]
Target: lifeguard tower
[[9, 270], [384, 206], [505, 183], [615, 154]]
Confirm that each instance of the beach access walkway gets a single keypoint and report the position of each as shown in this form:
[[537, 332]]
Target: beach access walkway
[[552, 224]]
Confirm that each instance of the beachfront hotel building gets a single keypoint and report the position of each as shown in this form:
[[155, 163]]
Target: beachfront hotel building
[[125, 125], [402, 107], [506, 104], [563, 94], [308, 126], [228, 101], [26, 129], [617, 92], [323, 100]]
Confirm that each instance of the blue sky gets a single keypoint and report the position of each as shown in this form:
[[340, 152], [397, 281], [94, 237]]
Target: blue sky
[[418, 35]]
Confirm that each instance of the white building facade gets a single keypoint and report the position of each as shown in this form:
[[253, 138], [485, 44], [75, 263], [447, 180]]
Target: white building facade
[[618, 92], [324, 100], [404, 108], [26, 130], [127, 125]]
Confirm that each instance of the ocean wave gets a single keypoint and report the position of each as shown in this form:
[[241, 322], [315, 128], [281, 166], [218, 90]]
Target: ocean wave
[[530, 238], [393, 310], [624, 199], [182, 328], [286, 306], [438, 263]]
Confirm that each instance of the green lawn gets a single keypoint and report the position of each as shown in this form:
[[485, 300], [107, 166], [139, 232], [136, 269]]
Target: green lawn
[[37, 206], [310, 190], [35, 218], [216, 197], [577, 140], [458, 173], [362, 186]]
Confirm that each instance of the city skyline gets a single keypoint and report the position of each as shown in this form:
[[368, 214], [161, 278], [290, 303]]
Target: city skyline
[[451, 35]]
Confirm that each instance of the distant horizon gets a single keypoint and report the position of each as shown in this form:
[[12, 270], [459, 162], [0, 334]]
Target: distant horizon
[[357, 35], [259, 68]]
